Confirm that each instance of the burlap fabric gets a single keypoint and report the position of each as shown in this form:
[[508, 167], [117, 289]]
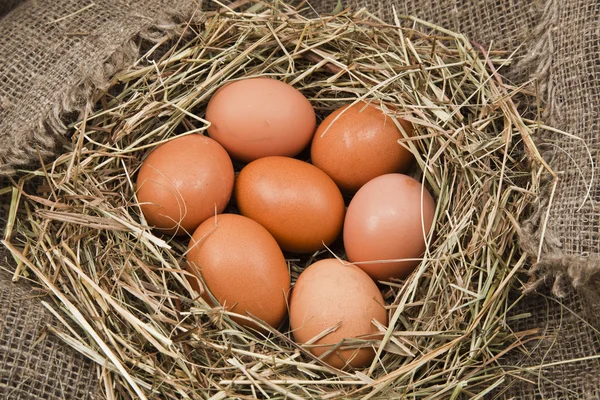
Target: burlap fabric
[[55, 55], [571, 84], [35, 364], [8, 5], [47, 78]]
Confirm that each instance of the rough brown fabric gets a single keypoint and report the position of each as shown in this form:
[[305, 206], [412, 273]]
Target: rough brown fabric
[[8, 5], [34, 364], [507, 23], [571, 253], [565, 335], [55, 55]]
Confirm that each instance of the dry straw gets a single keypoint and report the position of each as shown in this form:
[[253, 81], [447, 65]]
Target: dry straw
[[121, 290]]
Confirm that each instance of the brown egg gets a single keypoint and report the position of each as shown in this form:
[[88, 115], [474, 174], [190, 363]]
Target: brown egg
[[297, 202], [259, 117], [242, 266], [384, 222], [357, 143], [329, 293], [183, 182]]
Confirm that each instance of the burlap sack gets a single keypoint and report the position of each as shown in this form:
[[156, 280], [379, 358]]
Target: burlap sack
[[34, 364], [556, 42], [8, 5], [54, 56]]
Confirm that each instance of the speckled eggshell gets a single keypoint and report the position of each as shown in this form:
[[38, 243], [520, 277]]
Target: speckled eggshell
[[357, 143], [259, 117], [297, 202], [242, 266], [183, 182], [384, 222], [327, 293]]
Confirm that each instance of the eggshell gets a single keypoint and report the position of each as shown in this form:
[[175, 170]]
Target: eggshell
[[384, 222], [357, 143], [183, 182], [327, 293], [259, 117], [242, 266], [297, 202]]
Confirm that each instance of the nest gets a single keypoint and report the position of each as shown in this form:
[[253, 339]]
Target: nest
[[120, 289]]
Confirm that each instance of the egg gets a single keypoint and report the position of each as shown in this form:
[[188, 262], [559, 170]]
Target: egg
[[388, 219], [328, 293], [259, 117], [357, 143], [183, 182], [297, 202], [242, 266]]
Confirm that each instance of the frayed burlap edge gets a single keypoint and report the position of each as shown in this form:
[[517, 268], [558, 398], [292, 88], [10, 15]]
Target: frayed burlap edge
[[552, 266], [555, 267], [52, 129], [540, 56]]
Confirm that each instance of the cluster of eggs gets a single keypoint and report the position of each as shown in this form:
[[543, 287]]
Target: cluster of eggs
[[286, 204]]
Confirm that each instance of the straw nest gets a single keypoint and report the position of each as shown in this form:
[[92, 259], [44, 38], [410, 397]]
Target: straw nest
[[120, 289]]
